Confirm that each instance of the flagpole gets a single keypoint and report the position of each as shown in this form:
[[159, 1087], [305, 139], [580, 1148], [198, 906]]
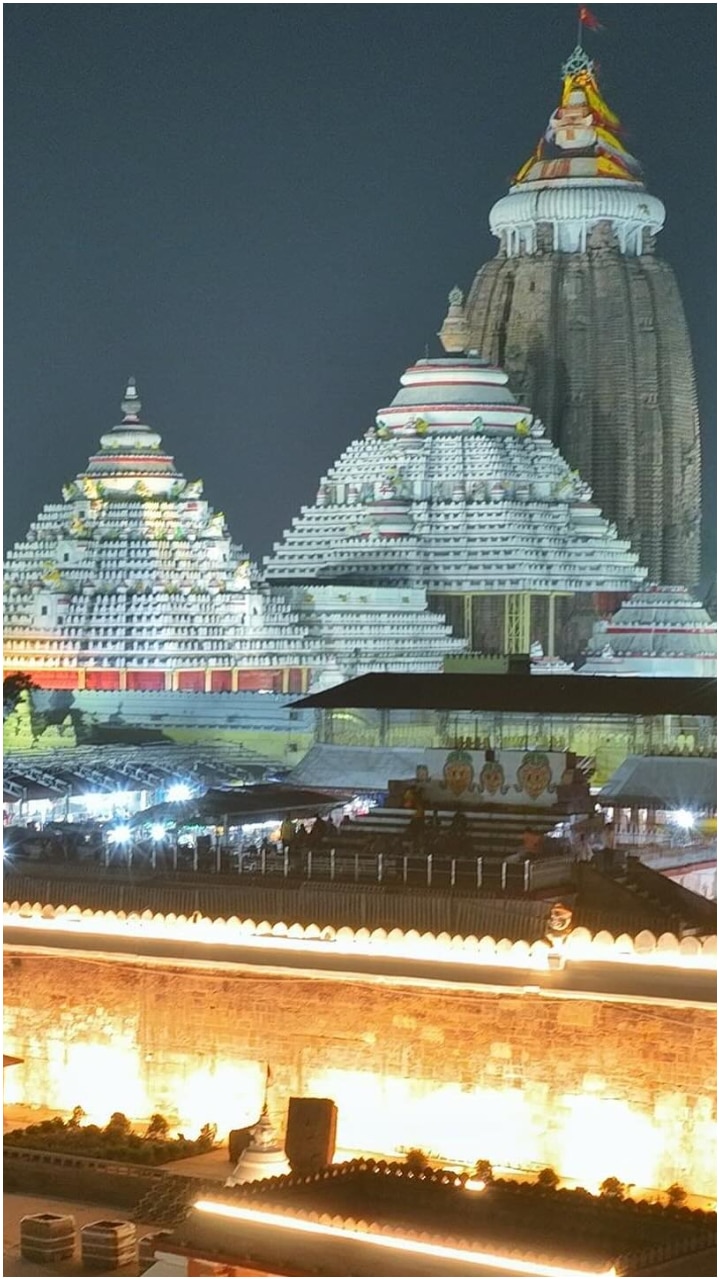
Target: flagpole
[[579, 30]]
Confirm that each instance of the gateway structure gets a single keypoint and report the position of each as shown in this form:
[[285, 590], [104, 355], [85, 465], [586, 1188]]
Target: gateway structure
[[457, 490], [133, 585], [589, 324]]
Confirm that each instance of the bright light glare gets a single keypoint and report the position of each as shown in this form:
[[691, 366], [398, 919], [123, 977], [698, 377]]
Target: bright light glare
[[157, 831], [179, 791], [119, 835], [279, 1220], [683, 818], [474, 1184]]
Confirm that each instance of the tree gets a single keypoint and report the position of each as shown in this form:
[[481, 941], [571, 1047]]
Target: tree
[[676, 1195], [78, 1115], [14, 686], [118, 1125], [613, 1188], [548, 1178], [483, 1171], [158, 1128]]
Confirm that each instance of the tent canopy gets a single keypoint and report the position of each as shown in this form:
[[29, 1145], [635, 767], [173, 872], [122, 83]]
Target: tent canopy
[[664, 782]]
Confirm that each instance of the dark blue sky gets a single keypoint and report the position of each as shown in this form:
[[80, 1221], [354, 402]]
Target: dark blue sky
[[259, 211]]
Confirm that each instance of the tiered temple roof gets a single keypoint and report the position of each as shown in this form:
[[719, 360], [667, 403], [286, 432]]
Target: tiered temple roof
[[659, 631], [455, 489], [134, 581]]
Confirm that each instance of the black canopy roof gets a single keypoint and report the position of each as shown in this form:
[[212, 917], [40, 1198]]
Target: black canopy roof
[[529, 694]]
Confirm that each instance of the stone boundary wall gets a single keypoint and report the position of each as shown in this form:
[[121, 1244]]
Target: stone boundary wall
[[590, 1087], [76, 1177]]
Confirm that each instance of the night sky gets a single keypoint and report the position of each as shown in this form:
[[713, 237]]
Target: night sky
[[259, 210]]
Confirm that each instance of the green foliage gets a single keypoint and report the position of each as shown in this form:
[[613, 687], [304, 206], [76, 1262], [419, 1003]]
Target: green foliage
[[207, 1137], [548, 1178], [613, 1188], [416, 1160], [118, 1126], [115, 1142], [157, 1129]]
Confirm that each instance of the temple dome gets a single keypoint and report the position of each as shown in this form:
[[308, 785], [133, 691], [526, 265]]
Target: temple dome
[[264, 1156], [456, 490], [133, 584], [572, 207]]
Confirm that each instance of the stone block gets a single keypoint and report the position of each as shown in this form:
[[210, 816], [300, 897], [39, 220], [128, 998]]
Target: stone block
[[47, 1237], [108, 1244]]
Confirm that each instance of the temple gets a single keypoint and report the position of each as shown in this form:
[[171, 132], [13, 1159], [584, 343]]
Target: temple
[[132, 584], [457, 490], [589, 325], [658, 631]]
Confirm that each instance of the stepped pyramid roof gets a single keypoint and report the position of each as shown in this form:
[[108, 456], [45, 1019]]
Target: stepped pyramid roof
[[135, 570], [455, 489], [658, 631]]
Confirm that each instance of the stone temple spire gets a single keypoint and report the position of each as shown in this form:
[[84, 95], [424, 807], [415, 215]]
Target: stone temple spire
[[454, 332], [131, 405], [589, 324]]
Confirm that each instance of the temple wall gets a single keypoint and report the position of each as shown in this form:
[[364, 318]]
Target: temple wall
[[591, 1088], [597, 343]]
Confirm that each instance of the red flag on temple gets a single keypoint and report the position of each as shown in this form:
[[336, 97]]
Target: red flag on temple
[[588, 19]]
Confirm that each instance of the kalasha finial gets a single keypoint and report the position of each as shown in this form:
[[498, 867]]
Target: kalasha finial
[[578, 61], [131, 405]]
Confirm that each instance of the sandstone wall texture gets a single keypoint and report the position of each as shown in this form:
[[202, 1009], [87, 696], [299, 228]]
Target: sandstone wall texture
[[592, 1088], [597, 344]]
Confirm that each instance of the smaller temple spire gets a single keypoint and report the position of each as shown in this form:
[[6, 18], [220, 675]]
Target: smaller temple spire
[[131, 405], [454, 332]]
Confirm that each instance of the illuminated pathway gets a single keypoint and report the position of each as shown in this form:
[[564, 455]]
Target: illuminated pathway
[[584, 968]]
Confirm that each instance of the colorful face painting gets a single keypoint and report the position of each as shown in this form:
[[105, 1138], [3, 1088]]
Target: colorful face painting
[[492, 778], [458, 772], [534, 775]]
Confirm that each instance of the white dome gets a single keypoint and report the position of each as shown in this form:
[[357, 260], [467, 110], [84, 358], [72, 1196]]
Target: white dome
[[572, 207]]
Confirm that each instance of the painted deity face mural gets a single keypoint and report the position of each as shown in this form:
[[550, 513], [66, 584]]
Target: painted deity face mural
[[534, 775], [458, 772], [492, 778]]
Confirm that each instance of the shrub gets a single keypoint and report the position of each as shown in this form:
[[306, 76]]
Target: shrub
[[75, 1119], [416, 1160], [676, 1195], [484, 1171], [613, 1188], [548, 1179]]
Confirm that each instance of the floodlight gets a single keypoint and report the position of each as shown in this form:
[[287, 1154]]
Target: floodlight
[[179, 791], [683, 818], [119, 835], [157, 831]]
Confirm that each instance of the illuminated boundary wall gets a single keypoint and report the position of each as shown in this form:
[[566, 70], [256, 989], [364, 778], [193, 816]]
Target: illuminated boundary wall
[[593, 1088]]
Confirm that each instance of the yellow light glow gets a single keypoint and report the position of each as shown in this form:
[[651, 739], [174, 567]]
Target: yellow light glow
[[404, 1244], [347, 942], [598, 1135], [474, 1184]]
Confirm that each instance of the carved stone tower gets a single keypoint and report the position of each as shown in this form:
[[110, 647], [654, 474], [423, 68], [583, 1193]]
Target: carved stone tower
[[590, 327]]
